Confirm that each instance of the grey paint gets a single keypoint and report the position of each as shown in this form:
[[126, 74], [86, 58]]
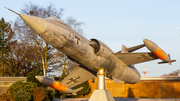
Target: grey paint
[[78, 48], [94, 57], [45, 80]]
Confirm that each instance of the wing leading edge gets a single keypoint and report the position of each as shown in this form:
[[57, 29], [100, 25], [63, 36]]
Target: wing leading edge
[[134, 58]]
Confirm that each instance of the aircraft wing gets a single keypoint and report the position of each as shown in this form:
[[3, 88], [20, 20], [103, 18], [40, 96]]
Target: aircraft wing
[[134, 58], [78, 76]]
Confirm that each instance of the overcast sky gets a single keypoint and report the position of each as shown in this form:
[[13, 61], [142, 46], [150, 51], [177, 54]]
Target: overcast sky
[[118, 22]]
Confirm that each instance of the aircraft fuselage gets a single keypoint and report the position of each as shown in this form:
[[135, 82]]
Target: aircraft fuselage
[[92, 54]]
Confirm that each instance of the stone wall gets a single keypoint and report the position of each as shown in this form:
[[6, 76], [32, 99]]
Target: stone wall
[[141, 89]]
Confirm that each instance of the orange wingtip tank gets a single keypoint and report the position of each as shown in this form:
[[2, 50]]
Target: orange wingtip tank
[[156, 50], [160, 53], [56, 85]]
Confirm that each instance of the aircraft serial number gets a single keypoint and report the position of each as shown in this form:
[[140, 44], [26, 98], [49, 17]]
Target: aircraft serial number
[[78, 40]]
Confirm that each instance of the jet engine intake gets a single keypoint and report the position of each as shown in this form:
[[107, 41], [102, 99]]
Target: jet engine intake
[[100, 48]]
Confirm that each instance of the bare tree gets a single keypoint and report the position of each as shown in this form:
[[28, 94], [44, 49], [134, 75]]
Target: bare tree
[[17, 62], [173, 73], [49, 56], [75, 25]]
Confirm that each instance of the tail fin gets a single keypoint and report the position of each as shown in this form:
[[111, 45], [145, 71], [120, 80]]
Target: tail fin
[[77, 90]]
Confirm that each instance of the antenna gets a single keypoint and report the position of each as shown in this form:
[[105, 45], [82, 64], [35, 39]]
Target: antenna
[[12, 11]]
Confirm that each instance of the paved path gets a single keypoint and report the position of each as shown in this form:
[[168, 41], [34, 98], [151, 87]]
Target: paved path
[[121, 99]]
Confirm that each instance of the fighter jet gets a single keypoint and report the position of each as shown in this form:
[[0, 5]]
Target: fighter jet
[[92, 55]]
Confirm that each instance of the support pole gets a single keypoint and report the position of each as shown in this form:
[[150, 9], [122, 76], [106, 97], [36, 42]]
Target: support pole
[[101, 94], [101, 79]]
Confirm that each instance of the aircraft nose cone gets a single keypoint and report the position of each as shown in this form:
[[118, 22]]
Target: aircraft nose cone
[[37, 24]]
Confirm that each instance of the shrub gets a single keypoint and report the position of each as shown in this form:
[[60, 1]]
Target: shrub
[[39, 94], [86, 90], [23, 96], [26, 91], [50, 95], [22, 86], [47, 93], [6, 96], [31, 90]]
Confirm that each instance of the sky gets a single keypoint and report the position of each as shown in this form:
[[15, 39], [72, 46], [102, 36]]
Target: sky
[[121, 22]]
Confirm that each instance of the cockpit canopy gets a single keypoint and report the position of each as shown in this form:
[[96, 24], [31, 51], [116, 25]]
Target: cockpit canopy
[[56, 21]]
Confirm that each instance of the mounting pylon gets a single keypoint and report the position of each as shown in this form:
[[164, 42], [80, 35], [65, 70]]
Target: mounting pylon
[[144, 72], [101, 94]]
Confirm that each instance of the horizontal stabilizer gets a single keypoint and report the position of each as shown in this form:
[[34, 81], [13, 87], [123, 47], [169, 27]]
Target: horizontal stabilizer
[[170, 61], [167, 62], [77, 90], [131, 49]]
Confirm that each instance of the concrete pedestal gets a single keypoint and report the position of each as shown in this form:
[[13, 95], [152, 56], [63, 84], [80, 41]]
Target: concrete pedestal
[[101, 95]]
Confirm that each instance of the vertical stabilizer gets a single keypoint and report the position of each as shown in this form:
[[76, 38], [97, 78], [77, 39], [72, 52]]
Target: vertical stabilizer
[[124, 49]]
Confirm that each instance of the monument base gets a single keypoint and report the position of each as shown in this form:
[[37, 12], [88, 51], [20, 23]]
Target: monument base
[[101, 95]]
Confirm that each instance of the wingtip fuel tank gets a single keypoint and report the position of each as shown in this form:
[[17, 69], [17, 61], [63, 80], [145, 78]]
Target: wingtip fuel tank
[[56, 85], [156, 50]]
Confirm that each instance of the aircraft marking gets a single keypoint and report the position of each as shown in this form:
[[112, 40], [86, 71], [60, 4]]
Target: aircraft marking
[[144, 56], [78, 40], [73, 80]]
